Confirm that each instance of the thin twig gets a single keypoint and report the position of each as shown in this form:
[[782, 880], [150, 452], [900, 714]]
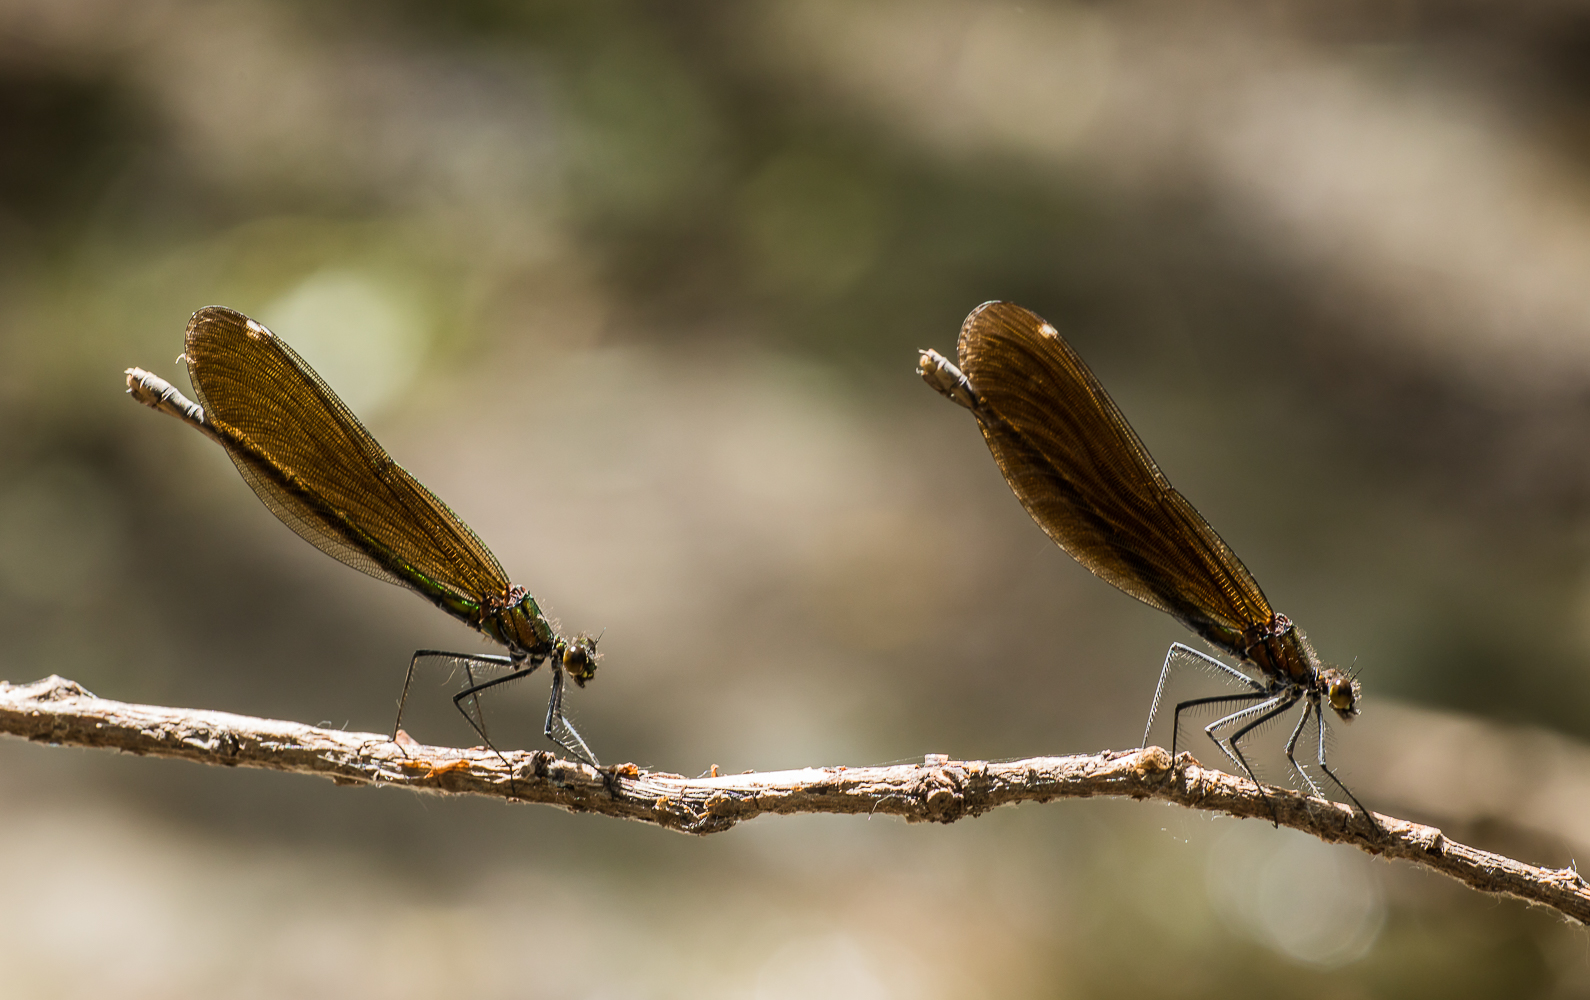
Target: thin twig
[[939, 790]]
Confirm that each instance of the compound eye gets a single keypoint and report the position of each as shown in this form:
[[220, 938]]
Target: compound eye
[[580, 658], [1341, 695]]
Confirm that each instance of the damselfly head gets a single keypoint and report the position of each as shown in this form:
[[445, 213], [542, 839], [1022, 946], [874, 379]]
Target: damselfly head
[[1341, 691], [580, 657]]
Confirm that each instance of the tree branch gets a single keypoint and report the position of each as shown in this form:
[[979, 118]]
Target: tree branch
[[939, 790]]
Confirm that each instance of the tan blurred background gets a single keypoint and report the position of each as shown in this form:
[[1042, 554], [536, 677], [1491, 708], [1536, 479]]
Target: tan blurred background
[[637, 288]]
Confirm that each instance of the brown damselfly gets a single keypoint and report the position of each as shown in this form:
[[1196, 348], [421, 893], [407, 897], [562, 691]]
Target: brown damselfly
[[1086, 479], [310, 460]]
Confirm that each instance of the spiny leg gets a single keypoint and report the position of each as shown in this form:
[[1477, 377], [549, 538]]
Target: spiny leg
[[472, 687], [474, 690], [559, 729], [1164, 674], [1241, 714], [408, 678], [1310, 706], [1286, 700], [1175, 723], [1338, 782]]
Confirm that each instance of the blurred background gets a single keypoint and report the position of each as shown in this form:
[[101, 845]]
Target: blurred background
[[638, 288]]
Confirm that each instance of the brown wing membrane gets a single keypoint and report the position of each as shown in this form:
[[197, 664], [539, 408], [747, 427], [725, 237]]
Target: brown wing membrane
[[312, 462], [1085, 477]]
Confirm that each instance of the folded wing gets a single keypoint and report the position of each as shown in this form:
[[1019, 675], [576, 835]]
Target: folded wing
[[312, 462], [1085, 477]]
